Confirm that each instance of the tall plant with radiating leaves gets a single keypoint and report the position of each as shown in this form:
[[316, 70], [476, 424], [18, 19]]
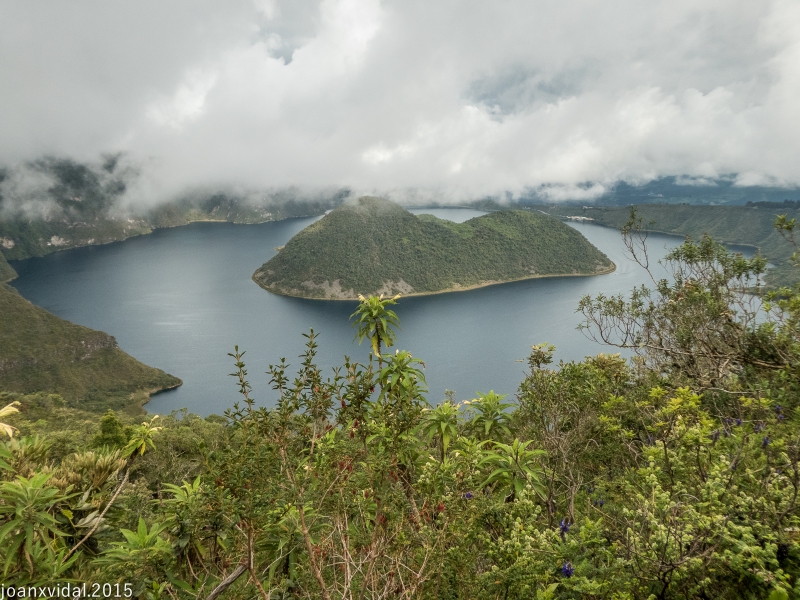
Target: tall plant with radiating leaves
[[376, 322], [442, 423], [8, 409], [492, 421]]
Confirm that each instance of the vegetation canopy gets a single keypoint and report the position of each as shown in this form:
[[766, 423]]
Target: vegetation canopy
[[673, 475]]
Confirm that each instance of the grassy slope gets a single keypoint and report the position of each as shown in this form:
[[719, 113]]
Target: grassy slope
[[728, 224], [367, 244], [41, 352], [7, 272]]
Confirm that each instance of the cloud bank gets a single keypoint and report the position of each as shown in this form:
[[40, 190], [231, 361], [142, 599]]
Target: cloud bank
[[417, 99]]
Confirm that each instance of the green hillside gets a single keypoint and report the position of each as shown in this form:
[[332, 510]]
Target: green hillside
[[7, 272], [375, 246], [41, 352], [753, 226]]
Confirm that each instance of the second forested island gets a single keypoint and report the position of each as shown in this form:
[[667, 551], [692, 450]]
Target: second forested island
[[373, 246]]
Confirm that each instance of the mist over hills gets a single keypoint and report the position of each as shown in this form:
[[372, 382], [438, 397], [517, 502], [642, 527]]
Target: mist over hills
[[679, 190], [114, 187], [58, 203]]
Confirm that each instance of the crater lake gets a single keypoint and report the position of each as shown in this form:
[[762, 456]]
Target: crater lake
[[180, 299]]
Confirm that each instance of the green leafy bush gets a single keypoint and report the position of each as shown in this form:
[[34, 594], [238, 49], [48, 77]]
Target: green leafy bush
[[673, 475]]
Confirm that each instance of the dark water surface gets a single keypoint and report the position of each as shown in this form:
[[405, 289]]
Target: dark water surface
[[181, 298]]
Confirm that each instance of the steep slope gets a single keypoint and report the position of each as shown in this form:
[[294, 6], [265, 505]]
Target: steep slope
[[41, 352], [7, 272], [375, 246]]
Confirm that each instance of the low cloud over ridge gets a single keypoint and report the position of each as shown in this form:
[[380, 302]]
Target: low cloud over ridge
[[414, 99]]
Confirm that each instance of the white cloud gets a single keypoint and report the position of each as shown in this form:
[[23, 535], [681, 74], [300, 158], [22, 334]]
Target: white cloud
[[186, 104], [408, 97], [24, 189]]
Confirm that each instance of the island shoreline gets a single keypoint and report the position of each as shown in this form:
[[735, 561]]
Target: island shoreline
[[140, 398], [607, 271]]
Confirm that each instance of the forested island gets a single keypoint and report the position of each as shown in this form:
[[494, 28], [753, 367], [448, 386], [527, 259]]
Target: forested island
[[373, 246]]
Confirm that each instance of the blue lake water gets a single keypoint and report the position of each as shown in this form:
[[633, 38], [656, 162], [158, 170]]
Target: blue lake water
[[181, 298]]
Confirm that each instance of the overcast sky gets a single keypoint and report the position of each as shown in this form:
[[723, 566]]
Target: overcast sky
[[438, 98]]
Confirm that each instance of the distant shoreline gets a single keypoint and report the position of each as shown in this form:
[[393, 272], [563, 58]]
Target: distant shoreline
[[606, 271], [149, 231], [140, 398], [683, 236]]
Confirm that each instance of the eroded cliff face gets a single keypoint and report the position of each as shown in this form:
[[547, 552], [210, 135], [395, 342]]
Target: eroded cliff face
[[332, 290]]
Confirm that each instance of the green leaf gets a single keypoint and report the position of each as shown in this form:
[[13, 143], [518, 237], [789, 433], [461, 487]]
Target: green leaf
[[778, 594]]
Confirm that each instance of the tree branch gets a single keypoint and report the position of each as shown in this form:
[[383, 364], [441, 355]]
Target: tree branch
[[100, 517], [227, 582]]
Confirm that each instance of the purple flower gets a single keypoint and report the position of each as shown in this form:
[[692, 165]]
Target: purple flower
[[765, 442], [564, 526], [738, 422], [567, 569], [468, 496], [778, 408]]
